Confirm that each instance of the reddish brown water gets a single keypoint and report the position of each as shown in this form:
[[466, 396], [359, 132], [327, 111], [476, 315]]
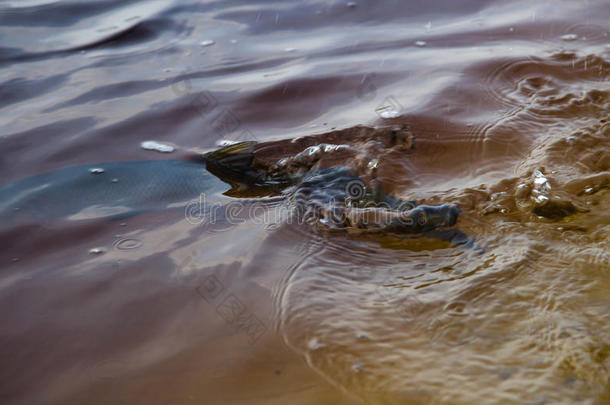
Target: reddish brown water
[[271, 312]]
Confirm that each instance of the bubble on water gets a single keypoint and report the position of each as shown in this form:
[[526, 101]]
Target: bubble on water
[[389, 108], [569, 37], [156, 146], [290, 49], [96, 170], [352, 4], [541, 183], [97, 251], [586, 31], [588, 190], [314, 344], [233, 41], [498, 195], [387, 112], [420, 44], [225, 142], [542, 187], [114, 180], [541, 199], [207, 42], [312, 151]]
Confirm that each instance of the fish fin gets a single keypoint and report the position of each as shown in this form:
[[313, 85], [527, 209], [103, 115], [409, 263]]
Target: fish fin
[[233, 164], [238, 156]]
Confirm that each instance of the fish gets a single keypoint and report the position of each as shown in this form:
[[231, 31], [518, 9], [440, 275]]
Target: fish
[[342, 196], [336, 198]]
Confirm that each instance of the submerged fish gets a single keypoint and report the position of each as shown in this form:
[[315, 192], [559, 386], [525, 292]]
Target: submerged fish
[[316, 191], [335, 198], [344, 196]]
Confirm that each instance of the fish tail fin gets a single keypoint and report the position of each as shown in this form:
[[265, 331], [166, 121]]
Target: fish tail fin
[[233, 165], [238, 156], [237, 165]]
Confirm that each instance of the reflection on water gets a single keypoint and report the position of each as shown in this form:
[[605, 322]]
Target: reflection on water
[[110, 301]]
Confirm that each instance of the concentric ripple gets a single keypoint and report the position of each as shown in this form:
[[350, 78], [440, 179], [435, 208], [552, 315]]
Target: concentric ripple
[[588, 32], [545, 86], [383, 326]]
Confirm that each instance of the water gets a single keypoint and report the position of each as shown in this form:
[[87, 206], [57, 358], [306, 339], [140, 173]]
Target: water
[[508, 106]]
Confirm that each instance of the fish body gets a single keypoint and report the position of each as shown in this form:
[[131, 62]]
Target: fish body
[[333, 198], [114, 190]]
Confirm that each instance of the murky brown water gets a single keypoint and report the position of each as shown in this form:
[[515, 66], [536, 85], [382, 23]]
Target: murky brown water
[[504, 99]]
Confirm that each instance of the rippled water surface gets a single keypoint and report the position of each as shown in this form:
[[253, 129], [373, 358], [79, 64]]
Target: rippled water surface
[[508, 106]]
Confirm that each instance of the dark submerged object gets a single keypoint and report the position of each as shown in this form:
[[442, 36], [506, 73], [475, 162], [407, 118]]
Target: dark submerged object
[[333, 198], [336, 197]]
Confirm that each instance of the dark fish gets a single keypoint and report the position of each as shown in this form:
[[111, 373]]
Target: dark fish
[[337, 198], [333, 197]]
